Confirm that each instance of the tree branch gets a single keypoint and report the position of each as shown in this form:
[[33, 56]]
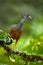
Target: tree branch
[[25, 56]]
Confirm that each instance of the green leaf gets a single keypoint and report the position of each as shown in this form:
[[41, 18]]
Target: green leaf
[[5, 38]]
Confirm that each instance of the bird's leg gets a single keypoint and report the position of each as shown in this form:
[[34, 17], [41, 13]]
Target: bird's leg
[[12, 45], [16, 45]]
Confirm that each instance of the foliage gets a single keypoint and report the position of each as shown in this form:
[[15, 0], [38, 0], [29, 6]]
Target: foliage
[[5, 38], [25, 56]]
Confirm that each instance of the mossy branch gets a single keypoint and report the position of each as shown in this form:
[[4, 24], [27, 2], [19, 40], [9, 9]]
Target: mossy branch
[[25, 56]]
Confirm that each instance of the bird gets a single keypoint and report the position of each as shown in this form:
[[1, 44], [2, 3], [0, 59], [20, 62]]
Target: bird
[[15, 30]]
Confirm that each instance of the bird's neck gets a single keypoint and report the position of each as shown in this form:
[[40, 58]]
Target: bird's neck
[[21, 23], [22, 20]]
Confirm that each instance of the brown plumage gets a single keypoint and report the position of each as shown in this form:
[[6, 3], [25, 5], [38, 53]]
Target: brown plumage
[[15, 34], [15, 30]]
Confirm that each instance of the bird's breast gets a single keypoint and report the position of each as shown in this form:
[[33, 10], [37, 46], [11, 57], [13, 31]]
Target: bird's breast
[[15, 34]]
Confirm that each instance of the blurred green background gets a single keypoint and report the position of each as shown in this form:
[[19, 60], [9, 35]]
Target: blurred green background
[[31, 41], [12, 10]]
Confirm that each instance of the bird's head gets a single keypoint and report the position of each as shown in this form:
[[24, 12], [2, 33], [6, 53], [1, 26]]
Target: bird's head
[[26, 16]]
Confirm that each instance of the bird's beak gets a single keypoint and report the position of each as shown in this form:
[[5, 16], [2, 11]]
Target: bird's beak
[[29, 17]]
